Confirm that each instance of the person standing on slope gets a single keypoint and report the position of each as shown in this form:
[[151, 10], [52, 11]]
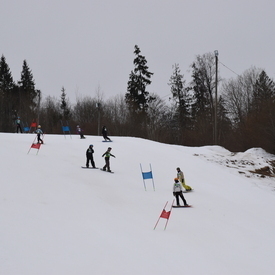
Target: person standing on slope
[[79, 131], [180, 176], [39, 132], [107, 155], [89, 156], [177, 192], [18, 125], [104, 134]]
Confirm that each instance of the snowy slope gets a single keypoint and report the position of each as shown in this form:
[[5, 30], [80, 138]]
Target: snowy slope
[[57, 218]]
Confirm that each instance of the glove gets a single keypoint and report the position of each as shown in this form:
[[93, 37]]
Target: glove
[[174, 193]]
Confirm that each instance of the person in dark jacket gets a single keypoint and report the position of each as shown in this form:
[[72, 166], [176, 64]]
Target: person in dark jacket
[[104, 134], [107, 155], [90, 157], [177, 192], [18, 125]]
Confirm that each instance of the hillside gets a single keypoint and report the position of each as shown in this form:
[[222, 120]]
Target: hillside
[[60, 219]]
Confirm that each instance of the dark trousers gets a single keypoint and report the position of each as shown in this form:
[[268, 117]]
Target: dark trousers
[[105, 137], [92, 162], [39, 140], [179, 194], [18, 128], [81, 135], [107, 164]]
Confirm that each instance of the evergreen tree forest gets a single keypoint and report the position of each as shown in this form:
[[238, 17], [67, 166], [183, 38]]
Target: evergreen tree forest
[[245, 107]]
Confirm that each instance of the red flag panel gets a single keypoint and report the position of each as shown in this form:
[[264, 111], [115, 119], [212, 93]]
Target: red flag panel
[[165, 214], [36, 145]]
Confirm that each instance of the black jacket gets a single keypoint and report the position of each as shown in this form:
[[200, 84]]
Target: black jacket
[[89, 152]]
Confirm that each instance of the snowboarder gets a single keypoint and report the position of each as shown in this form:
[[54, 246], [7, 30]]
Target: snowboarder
[[104, 134], [177, 192], [79, 131], [39, 132], [89, 156], [107, 155], [18, 125], [180, 176]]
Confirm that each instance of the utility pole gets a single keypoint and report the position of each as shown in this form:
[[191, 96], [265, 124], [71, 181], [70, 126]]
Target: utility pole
[[98, 105], [216, 100]]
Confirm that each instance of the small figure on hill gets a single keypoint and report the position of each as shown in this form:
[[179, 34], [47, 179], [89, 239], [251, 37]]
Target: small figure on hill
[[80, 131], [18, 125], [104, 134], [180, 176], [89, 156], [107, 155], [177, 192], [39, 132]]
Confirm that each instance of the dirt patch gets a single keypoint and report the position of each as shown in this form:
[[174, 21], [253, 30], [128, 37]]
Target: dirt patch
[[266, 171]]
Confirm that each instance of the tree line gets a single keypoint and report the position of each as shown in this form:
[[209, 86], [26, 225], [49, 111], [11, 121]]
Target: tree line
[[244, 111]]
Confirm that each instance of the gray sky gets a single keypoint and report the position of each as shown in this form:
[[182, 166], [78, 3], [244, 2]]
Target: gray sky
[[87, 45]]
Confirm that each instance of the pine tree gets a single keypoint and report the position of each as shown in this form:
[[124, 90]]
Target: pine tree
[[263, 93], [137, 97], [6, 79], [29, 96], [7, 88], [64, 105], [180, 95], [260, 124]]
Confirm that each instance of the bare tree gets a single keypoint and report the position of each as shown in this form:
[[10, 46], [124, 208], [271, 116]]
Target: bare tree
[[238, 93]]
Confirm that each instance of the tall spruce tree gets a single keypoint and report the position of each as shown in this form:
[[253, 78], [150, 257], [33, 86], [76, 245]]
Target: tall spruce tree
[[64, 106], [7, 100], [137, 96], [29, 96], [263, 92], [260, 125], [181, 97]]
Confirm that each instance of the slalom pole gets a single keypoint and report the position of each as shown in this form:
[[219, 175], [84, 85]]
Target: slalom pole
[[62, 128], [40, 144], [170, 213], [31, 145], [142, 177], [152, 177], [69, 129], [160, 215]]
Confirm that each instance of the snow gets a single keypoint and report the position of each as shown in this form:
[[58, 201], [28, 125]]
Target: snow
[[57, 218]]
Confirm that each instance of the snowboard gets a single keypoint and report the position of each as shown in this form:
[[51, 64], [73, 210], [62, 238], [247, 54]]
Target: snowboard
[[106, 171], [182, 206], [88, 167], [185, 191]]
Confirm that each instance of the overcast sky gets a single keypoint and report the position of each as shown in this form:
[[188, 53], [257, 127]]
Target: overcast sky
[[87, 45]]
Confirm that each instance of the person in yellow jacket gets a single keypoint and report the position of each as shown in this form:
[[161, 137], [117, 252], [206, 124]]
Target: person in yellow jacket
[[180, 176]]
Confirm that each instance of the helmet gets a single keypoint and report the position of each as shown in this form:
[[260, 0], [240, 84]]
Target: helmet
[[178, 168], [176, 179], [91, 145], [109, 148]]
